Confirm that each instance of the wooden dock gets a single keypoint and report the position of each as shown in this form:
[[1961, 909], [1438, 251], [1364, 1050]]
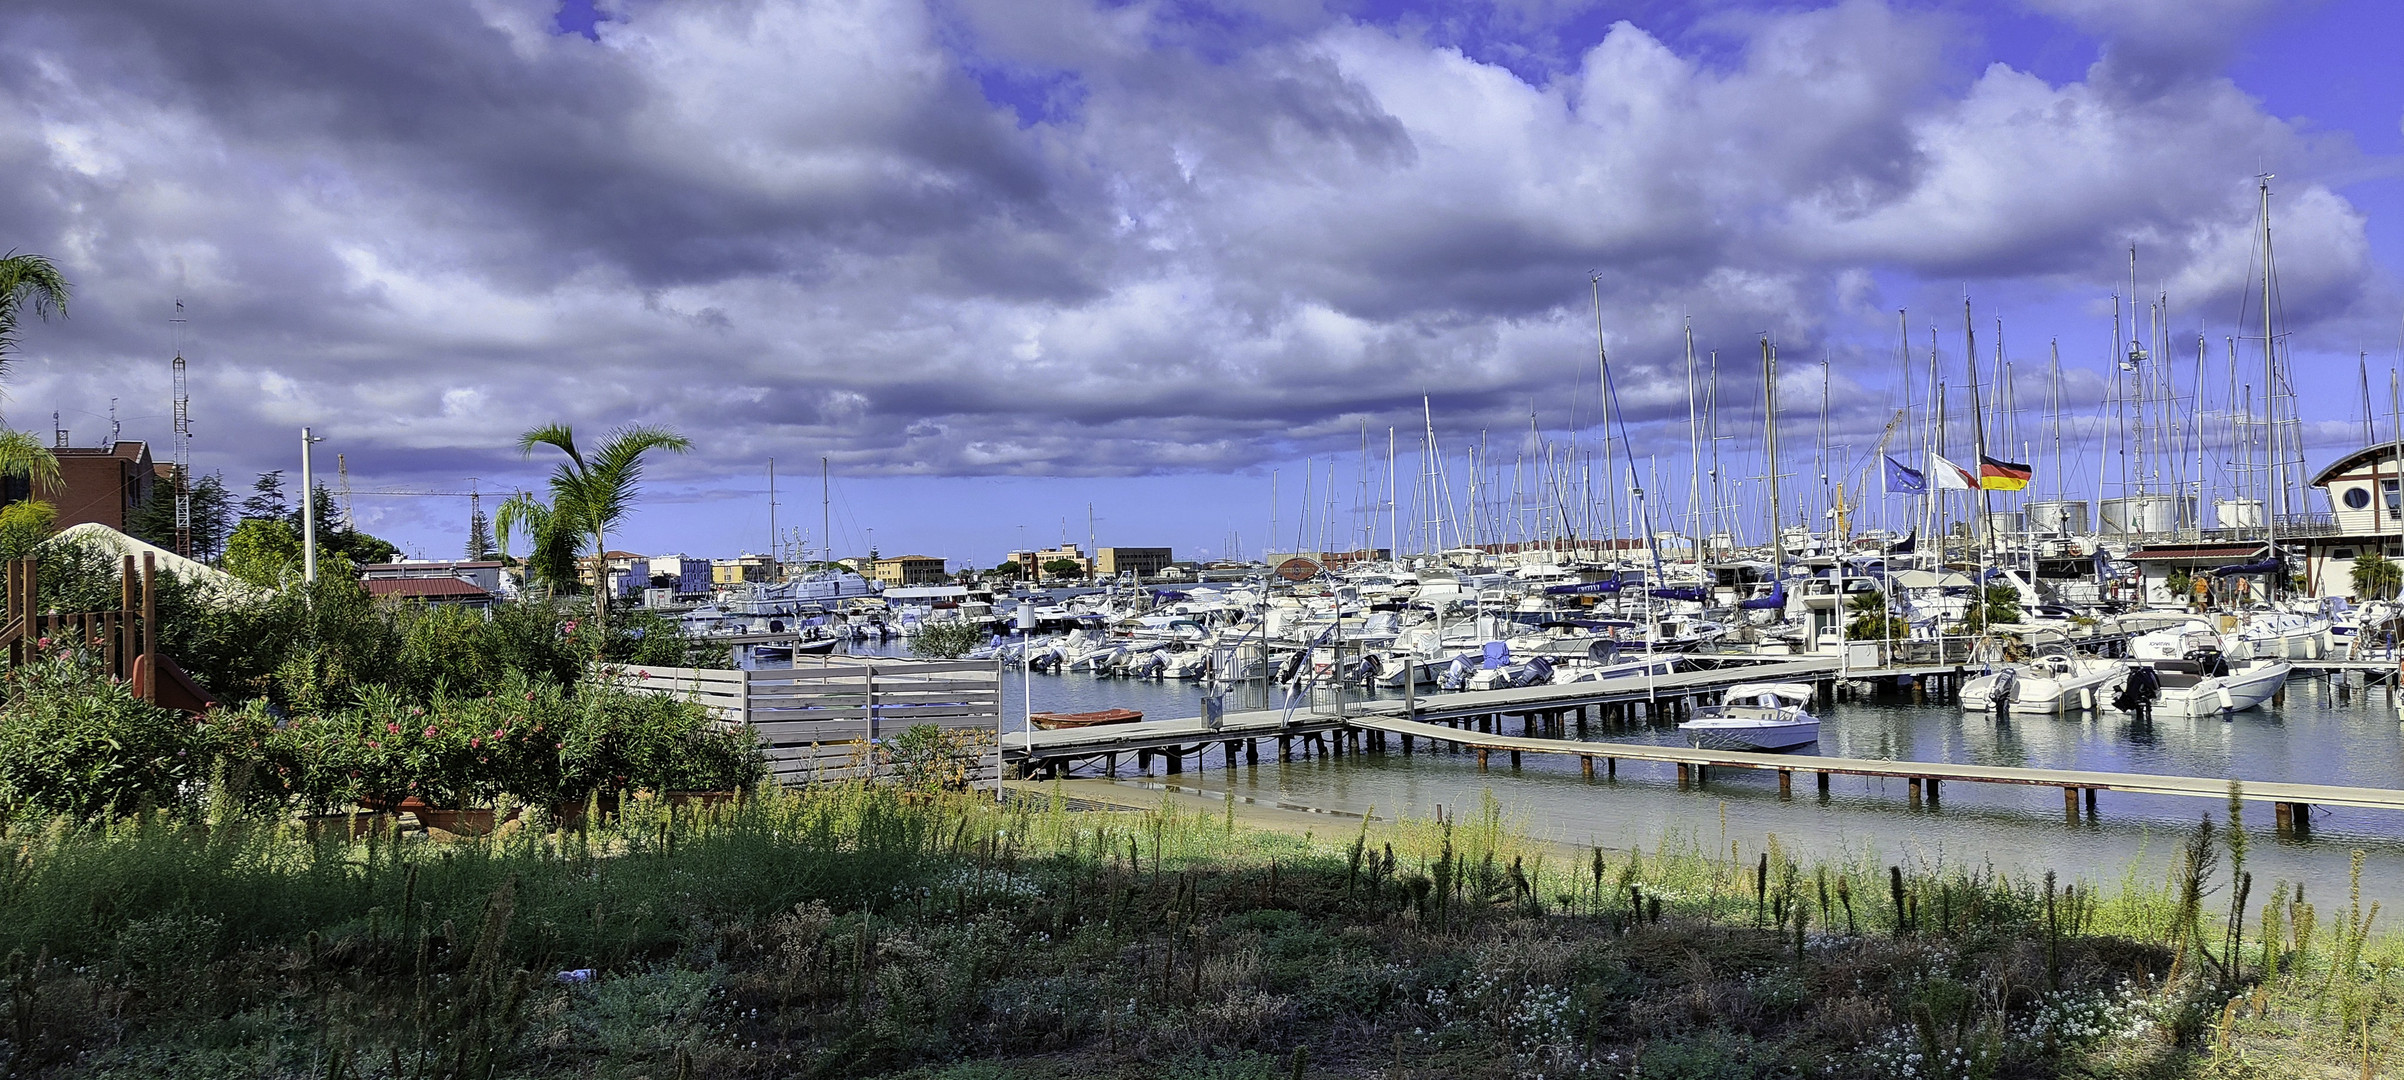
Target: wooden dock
[[2291, 803], [1548, 716]]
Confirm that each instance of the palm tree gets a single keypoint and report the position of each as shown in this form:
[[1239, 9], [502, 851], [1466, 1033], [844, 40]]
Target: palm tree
[[591, 496], [551, 554], [24, 457], [2376, 576], [27, 282]]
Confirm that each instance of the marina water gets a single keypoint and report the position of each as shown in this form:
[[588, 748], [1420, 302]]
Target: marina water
[[2322, 735]]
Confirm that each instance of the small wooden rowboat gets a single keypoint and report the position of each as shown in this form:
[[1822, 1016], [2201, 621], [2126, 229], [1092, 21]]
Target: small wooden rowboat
[[1051, 720]]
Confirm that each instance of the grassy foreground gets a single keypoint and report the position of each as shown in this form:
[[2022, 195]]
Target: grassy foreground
[[854, 932]]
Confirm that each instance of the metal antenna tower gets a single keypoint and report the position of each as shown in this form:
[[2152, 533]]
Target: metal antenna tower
[[183, 441]]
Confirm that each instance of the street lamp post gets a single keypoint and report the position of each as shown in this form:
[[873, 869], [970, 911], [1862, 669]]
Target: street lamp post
[[308, 512]]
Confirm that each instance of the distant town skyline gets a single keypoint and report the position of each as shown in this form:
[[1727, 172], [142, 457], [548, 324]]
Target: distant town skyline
[[998, 262]]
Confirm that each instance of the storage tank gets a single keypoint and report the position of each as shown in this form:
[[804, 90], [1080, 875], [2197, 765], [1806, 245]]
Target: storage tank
[[2149, 513], [2064, 516], [2237, 513], [2005, 522]]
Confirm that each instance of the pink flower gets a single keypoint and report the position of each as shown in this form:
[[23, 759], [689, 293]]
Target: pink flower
[[44, 643], [559, 746], [374, 745], [642, 675], [429, 731], [392, 729], [475, 742]]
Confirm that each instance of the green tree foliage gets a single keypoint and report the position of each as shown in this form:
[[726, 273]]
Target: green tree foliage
[[1872, 619], [28, 283], [591, 495], [551, 553], [479, 536], [267, 498], [263, 552], [2376, 577], [25, 458], [947, 640], [1064, 568], [153, 522], [1996, 606], [75, 741], [1009, 571], [24, 526]]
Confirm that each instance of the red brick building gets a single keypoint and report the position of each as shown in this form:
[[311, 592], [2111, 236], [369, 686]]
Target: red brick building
[[101, 483]]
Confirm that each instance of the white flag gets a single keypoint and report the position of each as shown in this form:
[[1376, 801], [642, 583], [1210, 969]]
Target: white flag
[[1949, 476]]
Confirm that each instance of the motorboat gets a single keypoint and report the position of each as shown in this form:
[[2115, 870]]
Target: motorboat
[[1755, 716], [2047, 684], [2285, 635], [2207, 683]]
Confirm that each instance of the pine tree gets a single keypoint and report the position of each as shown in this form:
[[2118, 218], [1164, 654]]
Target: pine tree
[[267, 499], [479, 536]]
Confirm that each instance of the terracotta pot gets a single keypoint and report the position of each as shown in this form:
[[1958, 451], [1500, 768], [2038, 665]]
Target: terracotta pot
[[458, 822], [351, 826], [570, 815], [690, 799]]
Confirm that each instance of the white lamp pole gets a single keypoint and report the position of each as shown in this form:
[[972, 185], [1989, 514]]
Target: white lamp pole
[[308, 512]]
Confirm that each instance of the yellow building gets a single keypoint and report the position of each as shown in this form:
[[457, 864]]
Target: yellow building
[[908, 570], [743, 569]]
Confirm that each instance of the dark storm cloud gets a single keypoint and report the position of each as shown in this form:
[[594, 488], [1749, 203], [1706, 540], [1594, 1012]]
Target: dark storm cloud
[[1062, 238]]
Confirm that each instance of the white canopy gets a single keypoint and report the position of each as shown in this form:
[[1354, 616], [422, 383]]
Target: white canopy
[[1786, 692]]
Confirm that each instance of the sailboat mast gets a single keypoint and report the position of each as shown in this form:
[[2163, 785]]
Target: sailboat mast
[[1978, 430], [1602, 367], [1769, 403], [1694, 450], [2270, 384]]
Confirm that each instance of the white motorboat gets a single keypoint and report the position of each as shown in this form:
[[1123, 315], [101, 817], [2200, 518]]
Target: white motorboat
[[2047, 684], [2210, 685], [1755, 716], [2283, 635]]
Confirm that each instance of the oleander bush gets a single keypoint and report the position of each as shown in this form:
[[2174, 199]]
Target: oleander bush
[[76, 742]]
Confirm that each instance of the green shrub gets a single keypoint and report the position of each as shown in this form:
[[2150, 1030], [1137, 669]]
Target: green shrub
[[76, 741], [947, 640]]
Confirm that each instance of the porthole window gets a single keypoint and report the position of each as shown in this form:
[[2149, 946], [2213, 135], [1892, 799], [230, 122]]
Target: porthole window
[[2357, 498]]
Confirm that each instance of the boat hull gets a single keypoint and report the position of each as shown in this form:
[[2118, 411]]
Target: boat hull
[[1050, 721], [1763, 738]]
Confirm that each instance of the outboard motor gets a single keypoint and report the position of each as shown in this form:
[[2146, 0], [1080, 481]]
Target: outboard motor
[[1368, 669], [1158, 668], [2137, 695], [1536, 672], [1457, 672], [1292, 666], [2007, 684]]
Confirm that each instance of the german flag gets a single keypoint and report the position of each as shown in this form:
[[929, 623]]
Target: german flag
[[1995, 474]]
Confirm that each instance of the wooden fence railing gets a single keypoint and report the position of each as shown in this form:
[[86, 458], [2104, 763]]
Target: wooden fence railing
[[124, 638], [830, 720]]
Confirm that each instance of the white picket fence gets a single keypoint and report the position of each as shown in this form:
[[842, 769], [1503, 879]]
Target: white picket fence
[[827, 720]]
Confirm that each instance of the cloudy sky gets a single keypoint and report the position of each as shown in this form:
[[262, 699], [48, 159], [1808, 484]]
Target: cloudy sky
[[997, 260]]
